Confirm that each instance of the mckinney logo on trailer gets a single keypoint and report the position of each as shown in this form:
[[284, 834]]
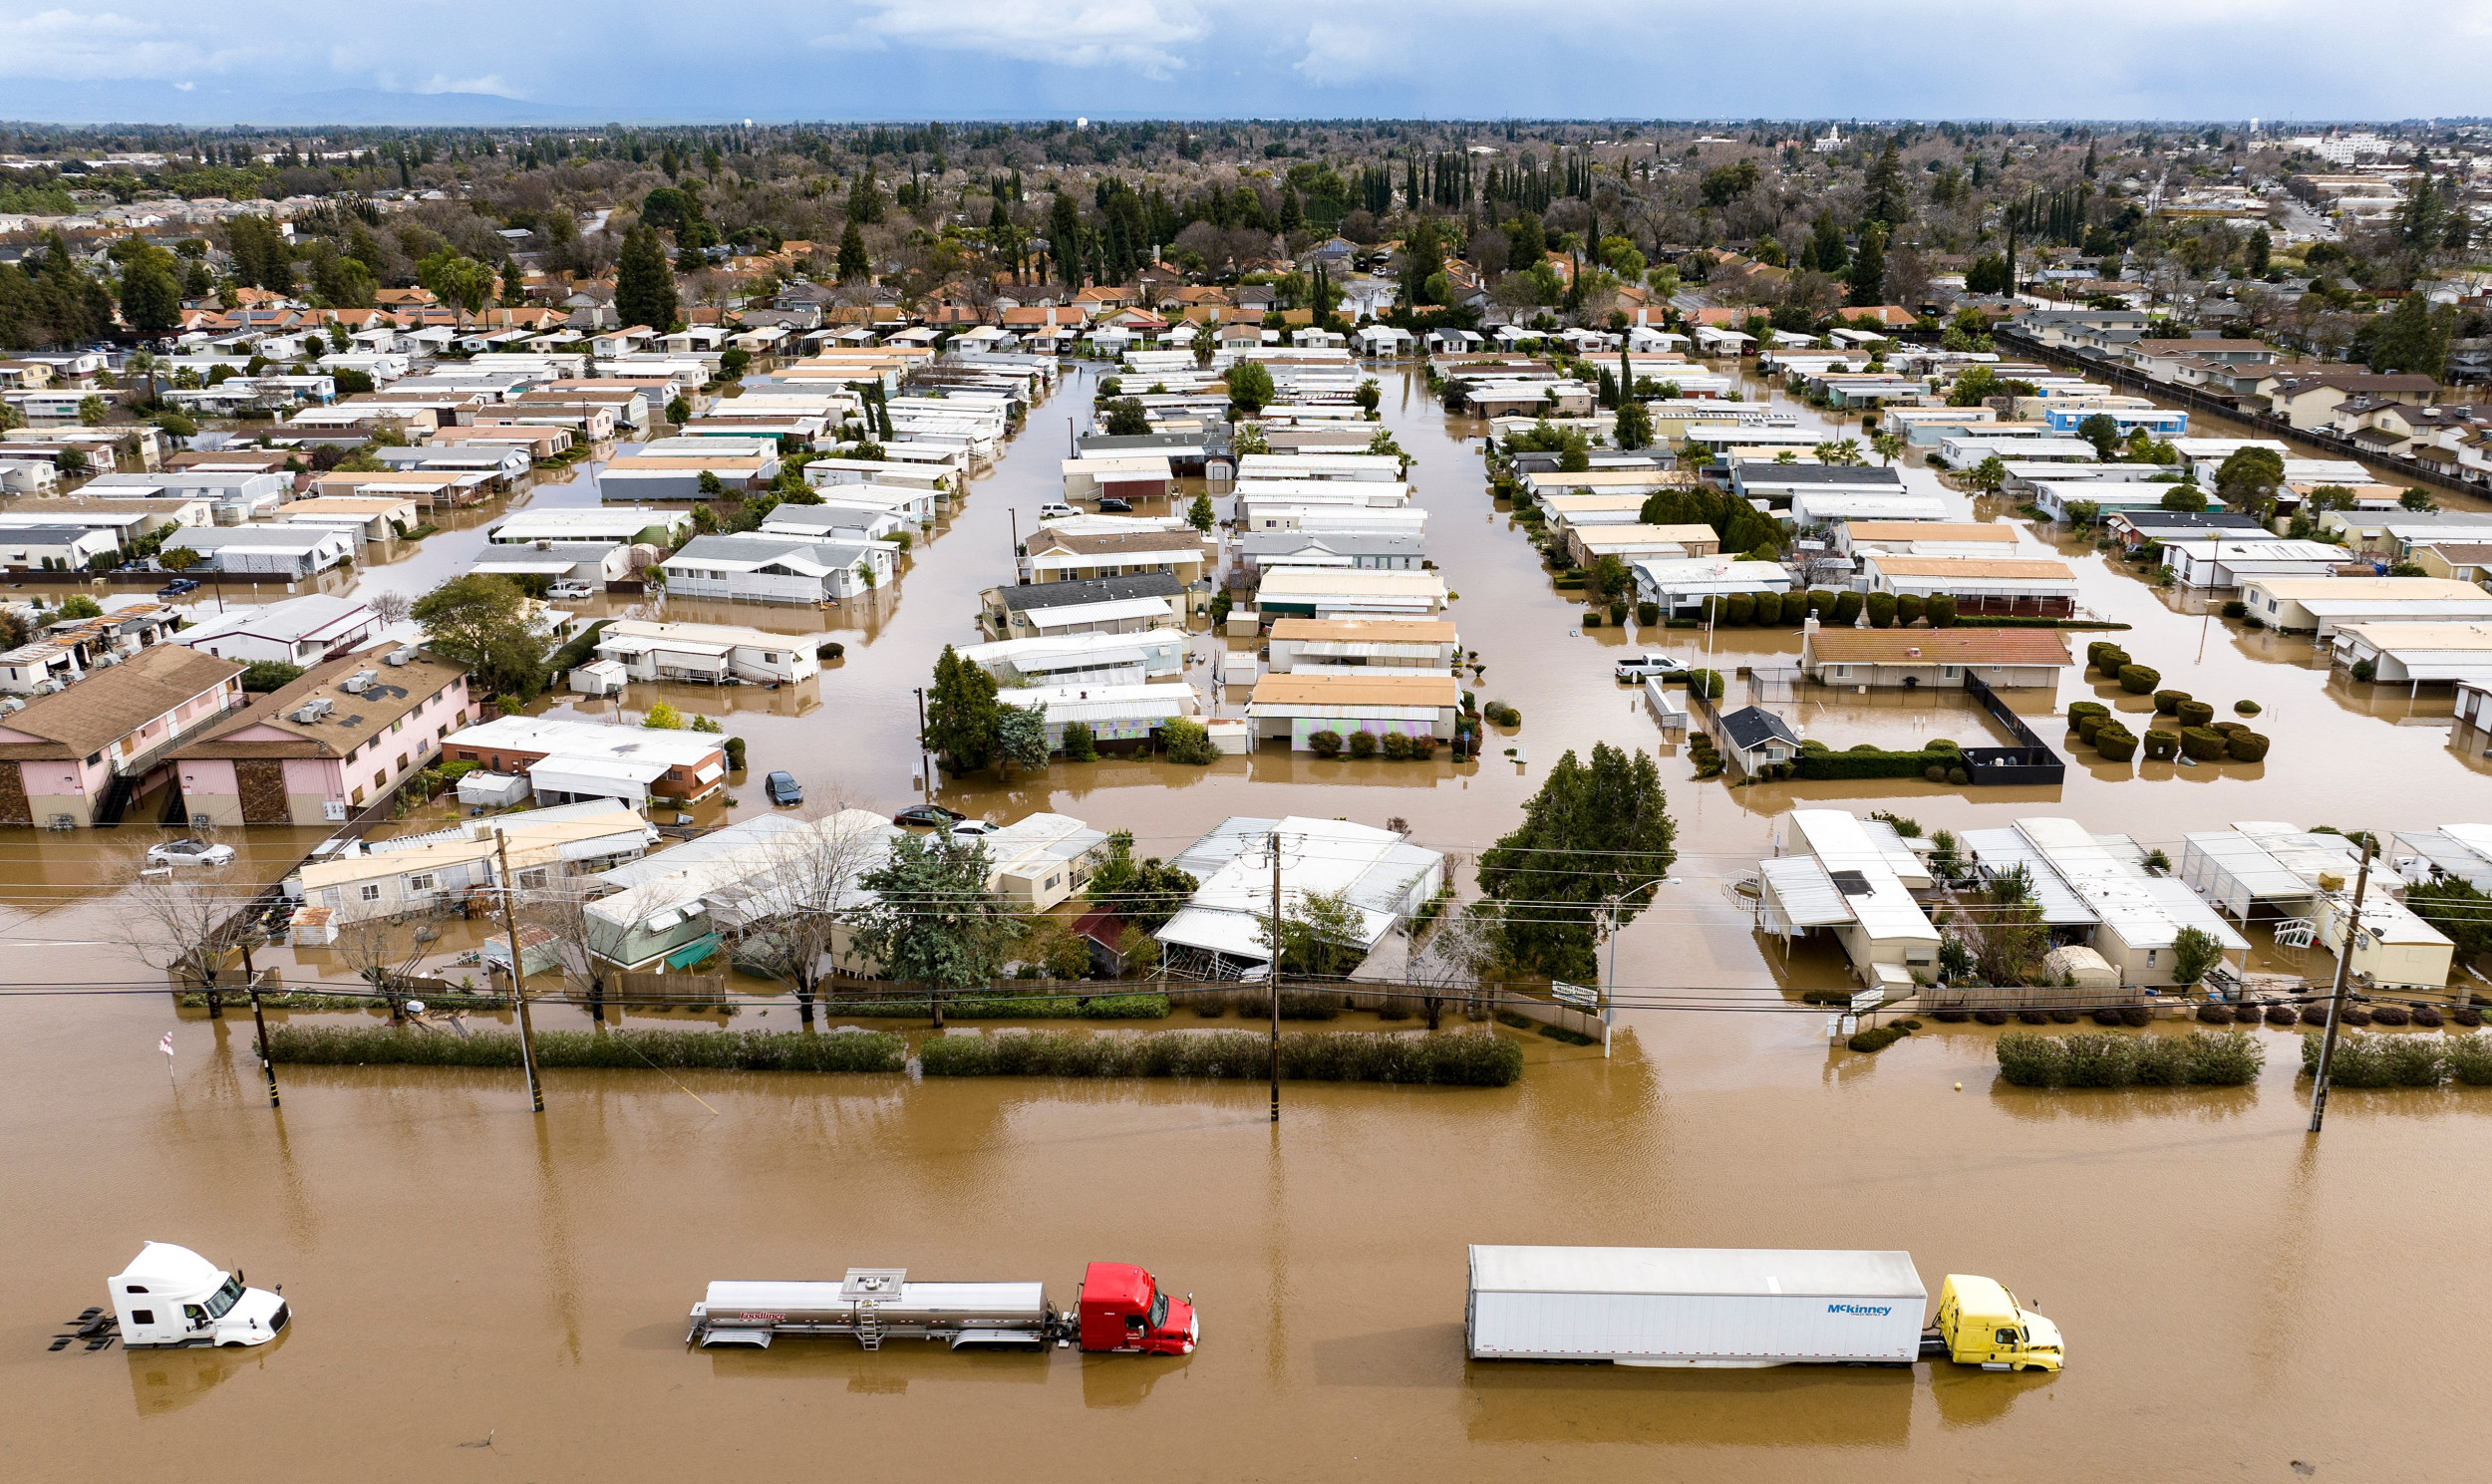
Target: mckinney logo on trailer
[[1858, 1308]]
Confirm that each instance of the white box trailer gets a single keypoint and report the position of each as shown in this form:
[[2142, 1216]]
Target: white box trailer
[[1694, 1307]]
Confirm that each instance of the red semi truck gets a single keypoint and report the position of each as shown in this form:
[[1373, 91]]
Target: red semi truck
[[1119, 1307]]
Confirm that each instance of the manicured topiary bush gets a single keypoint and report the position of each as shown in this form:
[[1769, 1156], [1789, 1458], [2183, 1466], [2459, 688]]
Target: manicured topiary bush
[[2247, 708], [1502, 715], [1991, 1017], [2136, 1015], [1959, 777], [2032, 1018], [2467, 1016], [1847, 605], [2110, 662], [2079, 711], [2428, 1017], [2065, 1018], [2282, 1015], [2161, 745], [1933, 774], [1648, 614], [1909, 608], [1941, 611], [2356, 1015], [2194, 713], [2203, 744], [1592, 618], [1396, 745], [2138, 680], [2390, 1015], [1951, 1017], [2216, 1015], [2168, 703], [1881, 608], [2249, 1015], [2313, 1014], [2247, 746], [2116, 742], [1742, 609], [2106, 1017], [2097, 649], [1878, 1039]]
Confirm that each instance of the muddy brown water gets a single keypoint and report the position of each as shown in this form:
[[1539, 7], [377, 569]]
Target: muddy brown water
[[462, 1271]]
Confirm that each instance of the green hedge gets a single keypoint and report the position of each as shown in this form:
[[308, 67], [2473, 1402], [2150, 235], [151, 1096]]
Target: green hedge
[[2168, 703], [2161, 745], [2193, 712], [2203, 743], [2140, 680], [742, 1050], [2247, 746], [1877, 763], [1463, 1060], [2087, 1060], [2403, 1060], [2116, 742], [1010, 1007]]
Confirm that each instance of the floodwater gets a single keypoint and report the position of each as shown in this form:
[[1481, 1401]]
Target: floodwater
[[482, 1294]]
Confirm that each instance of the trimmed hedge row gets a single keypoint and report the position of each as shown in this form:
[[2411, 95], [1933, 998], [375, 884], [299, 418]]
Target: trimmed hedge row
[[2401, 1060], [738, 1050], [2086, 1060], [1461, 1060], [1880, 764], [1010, 1007]]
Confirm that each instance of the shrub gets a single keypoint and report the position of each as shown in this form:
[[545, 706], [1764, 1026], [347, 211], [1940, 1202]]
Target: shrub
[[2161, 745], [2429, 1016], [2090, 726], [2236, 607], [2312, 1014], [1362, 744], [1503, 715], [742, 1050], [1710, 680], [1467, 1060], [2356, 1015], [2064, 1016], [1933, 774], [2227, 1058], [2247, 746], [2032, 1018], [2247, 708], [1881, 608], [1618, 613], [2251, 1015], [1846, 609], [1991, 1017], [2161, 1061], [2030, 1060], [2138, 680], [2136, 1015], [1396, 746], [2467, 1016], [1189, 742], [1877, 1039], [2363, 670], [1951, 1017], [2412, 1062], [1740, 609], [1648, 614], [2109, 662], [2116, 744], [1080, 742], [1941, 611], [1326, 743], [1592, 618], [2203, 743], [1959, 777], [2107, 1016], [2390, 1015], [2215, 1015], [2469, 1059], [1794, 607], [1910, 607], [1423, 748], [2079, 711], [2283, 1014], [2100, 1061], [2194, 713], [2168, 703]]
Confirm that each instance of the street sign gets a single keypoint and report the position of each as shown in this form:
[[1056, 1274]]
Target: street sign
[[1835, 1027], [1864, 1000], [1575, 995]]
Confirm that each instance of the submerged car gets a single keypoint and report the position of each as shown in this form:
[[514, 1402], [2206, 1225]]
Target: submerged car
[[784, 788], [1109, 504], [1643, 667], [926, 817], [189, 854]]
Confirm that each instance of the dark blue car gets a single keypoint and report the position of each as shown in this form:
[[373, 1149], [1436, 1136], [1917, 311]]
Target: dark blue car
[[784, 788]]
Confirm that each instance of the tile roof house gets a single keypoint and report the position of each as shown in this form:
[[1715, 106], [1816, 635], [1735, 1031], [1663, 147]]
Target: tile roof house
[[82, 754]]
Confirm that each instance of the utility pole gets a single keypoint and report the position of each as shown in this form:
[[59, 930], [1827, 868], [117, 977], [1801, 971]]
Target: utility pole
[[259, 1021], [519, 988], [924, 770], [2335, 1002], [1276, 976]]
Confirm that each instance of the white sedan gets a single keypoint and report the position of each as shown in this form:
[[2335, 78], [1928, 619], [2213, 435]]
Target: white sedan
[[189, 854], [970, 829]]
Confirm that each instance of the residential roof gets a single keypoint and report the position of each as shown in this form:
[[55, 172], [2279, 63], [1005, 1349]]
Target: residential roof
[[2030, 568], [1753, 727], [1385, 630], [267, 729], [1110, 543], [1028, 596], [1317, 687], [1932, 530], [1939, 646], [110, 704]]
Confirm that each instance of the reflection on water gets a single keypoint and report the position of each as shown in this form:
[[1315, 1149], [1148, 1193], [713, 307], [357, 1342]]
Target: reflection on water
[[167, 1381], [1795, 1406]]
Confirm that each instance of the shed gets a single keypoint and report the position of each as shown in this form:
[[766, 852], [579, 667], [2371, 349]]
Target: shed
[[492, 791]]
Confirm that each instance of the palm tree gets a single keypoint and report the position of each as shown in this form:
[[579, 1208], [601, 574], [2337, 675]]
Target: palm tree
[[142, 363], [1888, 445]]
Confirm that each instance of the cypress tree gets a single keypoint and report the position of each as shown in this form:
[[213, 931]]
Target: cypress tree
[[644, 283]]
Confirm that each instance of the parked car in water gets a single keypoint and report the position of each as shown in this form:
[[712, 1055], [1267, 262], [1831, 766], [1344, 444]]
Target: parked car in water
[[1056, 510], [925, 816], [189, 854], [1644, 666], [178, 587], [784, 788], [1109, 504], [567, 592], [970, 829]]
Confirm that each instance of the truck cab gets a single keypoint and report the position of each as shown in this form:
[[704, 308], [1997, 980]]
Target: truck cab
[[1982, 1324], [1123, 1309], [171, 1296]]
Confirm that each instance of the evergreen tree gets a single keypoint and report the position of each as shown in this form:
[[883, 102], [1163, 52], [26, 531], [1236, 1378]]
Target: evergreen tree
[[151, 299], [1826, 246], [644, 283], [1869, 268], [933, 922], [964, 720], [1886, 186], [1064, 238], [1596, 838], [854, 265], [2412, 338]]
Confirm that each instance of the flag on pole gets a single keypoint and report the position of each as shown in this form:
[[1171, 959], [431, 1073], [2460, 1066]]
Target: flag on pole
[[167, 1044]]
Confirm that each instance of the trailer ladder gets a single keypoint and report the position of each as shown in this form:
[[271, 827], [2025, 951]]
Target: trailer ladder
[[869, 1327]]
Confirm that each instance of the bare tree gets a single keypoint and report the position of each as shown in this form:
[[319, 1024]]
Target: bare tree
[[793, 918], [187, 926], [390, 607], [583, 941], [384, 953], [1457, 956]]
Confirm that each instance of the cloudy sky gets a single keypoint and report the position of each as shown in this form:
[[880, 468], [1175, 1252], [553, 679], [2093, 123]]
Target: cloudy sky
[[451, 61]]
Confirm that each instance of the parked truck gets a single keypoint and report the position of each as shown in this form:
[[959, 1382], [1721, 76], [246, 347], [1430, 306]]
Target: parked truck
[[1741, 1307], [171, 1296], [1118, 1308]]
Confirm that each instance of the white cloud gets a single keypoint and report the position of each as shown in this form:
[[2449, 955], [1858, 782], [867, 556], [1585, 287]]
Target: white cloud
[[68, 46], [490, 82], [1144, 36]]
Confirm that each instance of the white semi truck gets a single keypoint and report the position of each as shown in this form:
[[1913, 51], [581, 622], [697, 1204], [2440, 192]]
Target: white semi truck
[[1741, 1307], [171, 1296], [1118, 1308]]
